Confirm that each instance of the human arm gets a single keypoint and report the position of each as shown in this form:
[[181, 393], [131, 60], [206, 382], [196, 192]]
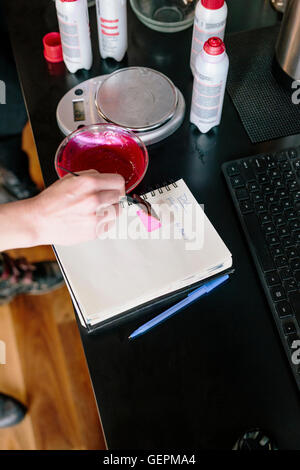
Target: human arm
[[65, 213]]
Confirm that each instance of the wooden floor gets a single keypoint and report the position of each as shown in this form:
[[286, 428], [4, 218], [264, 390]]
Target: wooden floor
[[45, 365]]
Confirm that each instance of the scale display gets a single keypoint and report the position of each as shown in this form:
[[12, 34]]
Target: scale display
[[78, 111]]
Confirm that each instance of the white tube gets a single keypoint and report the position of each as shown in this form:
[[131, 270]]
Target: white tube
[[73, 20], [112, 28], [211, 69]]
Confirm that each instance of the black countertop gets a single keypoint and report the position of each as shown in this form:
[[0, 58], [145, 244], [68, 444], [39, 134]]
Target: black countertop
[[218, 368]]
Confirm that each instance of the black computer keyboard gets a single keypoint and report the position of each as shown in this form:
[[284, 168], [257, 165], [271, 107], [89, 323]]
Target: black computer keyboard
[[266, 194]]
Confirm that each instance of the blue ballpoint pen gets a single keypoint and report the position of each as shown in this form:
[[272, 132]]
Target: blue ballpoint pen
[[196, 294]]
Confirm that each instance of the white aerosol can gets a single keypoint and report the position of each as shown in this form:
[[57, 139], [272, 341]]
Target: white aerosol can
[[112, 28], [73, 20], [210, 20], [211, 70]]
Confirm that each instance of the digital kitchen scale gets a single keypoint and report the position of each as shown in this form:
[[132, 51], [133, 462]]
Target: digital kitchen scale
[[137, 98]]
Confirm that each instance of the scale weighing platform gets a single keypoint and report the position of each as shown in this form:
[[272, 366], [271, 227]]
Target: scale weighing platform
[[137, 98]]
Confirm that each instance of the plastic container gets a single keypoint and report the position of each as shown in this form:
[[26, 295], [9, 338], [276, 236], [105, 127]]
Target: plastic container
[[73, 20], [211, 70], [106, 148], [210, 20], [52, 48], [112, 28]]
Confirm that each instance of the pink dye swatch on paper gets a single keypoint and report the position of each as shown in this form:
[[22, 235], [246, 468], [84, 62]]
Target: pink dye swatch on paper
[[149, 222]]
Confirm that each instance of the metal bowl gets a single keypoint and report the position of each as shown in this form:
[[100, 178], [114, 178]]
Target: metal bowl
[[167, 16]]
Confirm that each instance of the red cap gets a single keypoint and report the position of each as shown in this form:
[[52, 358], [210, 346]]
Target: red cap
[[214, 46], [212, 4], [53, 47]]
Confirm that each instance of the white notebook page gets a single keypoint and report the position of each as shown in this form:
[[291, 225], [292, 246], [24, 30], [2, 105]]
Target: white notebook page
[[110, 276]]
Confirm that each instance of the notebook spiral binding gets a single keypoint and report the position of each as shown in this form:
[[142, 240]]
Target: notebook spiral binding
[[166, 186]]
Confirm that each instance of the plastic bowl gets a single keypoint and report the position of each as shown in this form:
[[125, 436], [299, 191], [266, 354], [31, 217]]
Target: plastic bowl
[[166, 16], [106, 148]]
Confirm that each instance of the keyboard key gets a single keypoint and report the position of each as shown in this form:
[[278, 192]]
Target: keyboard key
[[278, 184], [258, 165], [268, 228], [258, 241], [289, 176], [283, 231], [296, 237], [281, 261], [271, 198], [263, 178], [267, 188], [287, 242], [261, 207], [285, 273], [275, 209], [277, 293], [283, 309], [286, 203], [282, 193], [264, 218], [274, 174], [285, 166], [293, 185], [233, 169], [272, 278], [295, 196], [276, 251], [291, 252], [290, 285], [270, 162], [279, 220], [246, 206], [241, 193], [253, 186], [247, 171], [296, 164], [289, 328], [290, 214], [272, 240], [257, 197], [295, 264], [292, 153], [237, 182], [294, 224]]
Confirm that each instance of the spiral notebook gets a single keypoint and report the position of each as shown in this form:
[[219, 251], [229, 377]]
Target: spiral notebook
[[133, 269]]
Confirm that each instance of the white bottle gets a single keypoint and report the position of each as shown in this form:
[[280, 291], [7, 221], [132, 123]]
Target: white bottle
[[112, 28], [73, 20], [211, 70], [210, 20]]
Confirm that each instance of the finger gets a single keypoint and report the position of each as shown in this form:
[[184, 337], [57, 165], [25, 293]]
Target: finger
[[97, 202], [91, 181]]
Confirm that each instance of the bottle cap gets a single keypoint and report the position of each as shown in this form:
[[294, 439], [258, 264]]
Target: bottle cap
[[52, 47], [212, 4], [214, 46]]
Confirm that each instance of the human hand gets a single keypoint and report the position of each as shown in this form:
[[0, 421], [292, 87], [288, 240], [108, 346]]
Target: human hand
[[77, 209]]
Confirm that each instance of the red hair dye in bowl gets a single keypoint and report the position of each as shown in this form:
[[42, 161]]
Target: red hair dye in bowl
[[106, 148]]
